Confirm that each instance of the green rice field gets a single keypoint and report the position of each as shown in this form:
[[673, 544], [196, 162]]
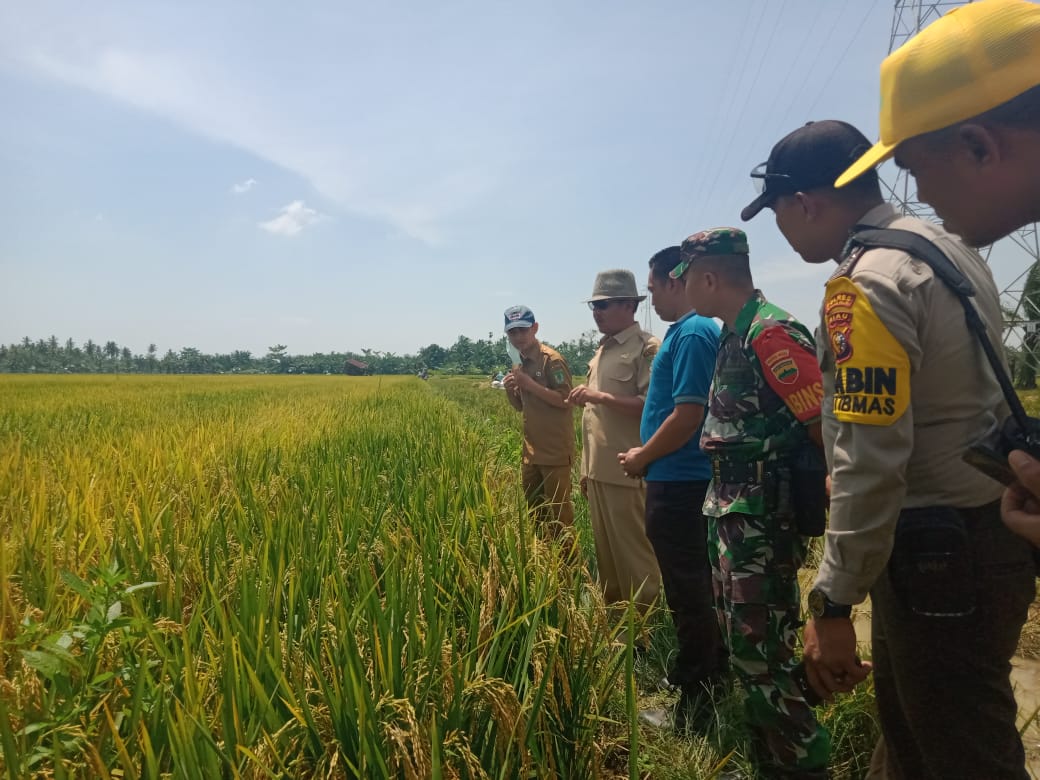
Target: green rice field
[[281, 577]]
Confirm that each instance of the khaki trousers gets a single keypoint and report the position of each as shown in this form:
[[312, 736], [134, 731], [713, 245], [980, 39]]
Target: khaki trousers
[[548, 492], [624, 557]]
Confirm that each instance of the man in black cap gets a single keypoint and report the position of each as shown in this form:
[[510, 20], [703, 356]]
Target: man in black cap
[[906, 390]]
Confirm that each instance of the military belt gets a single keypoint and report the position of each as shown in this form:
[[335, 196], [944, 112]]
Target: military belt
[[751, 472]]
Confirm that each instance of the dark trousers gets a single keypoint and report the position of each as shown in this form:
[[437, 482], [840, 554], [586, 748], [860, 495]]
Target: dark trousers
[[943, 690], [678, 533]]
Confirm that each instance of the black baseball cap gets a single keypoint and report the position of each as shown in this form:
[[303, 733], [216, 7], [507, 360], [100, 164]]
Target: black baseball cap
[[811, 157]]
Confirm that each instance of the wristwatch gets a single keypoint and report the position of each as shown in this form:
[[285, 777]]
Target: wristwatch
[[822, 607]]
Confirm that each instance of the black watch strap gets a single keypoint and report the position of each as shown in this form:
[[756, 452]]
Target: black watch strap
[[822, 607]]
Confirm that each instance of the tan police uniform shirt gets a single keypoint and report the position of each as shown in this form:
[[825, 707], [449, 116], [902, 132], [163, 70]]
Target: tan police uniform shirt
[[621, 366], [907, 389], [548, 430]]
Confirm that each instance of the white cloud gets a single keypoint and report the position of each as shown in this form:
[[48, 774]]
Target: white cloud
[[293, 218], [245, 186], [415, 193]]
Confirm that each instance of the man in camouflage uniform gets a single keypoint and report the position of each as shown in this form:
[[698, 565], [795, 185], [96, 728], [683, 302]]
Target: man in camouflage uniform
[[763, 406]]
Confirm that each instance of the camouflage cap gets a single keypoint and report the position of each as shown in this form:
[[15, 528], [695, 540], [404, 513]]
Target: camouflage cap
[[709, 243]]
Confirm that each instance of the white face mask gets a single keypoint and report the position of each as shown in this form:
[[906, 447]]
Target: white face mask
[[514, 354]]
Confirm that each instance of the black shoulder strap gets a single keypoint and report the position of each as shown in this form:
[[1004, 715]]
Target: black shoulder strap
[[926, 251], [921, 248]]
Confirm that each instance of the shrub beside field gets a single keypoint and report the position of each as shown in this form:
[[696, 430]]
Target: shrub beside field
[[305, 577]]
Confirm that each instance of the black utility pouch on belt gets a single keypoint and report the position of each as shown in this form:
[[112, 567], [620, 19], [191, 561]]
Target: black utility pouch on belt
[[809, 490], [930, 566]]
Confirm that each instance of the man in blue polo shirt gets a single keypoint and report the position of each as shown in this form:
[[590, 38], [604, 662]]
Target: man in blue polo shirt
[[677, 475]]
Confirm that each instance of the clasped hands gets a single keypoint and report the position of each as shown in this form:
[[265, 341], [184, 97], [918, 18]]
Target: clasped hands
[[633, 463]]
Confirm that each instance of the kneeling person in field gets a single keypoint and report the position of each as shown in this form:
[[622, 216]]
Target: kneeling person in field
[[538, 388]]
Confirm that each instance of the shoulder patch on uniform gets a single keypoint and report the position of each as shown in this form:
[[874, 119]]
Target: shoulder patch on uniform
[[791, 371], [558, 376], [783, 366], [837, 312], [871, 368]]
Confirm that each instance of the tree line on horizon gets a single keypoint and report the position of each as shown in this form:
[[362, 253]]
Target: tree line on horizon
[[465, 356]]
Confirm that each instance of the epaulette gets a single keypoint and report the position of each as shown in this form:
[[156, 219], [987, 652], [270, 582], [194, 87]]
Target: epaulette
[[851, 253]]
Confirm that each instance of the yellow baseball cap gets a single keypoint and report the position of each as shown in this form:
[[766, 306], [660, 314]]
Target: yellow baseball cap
[[975, 58]]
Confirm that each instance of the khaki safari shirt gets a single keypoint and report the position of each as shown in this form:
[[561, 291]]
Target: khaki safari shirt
[[621, 366], [907, 389], [548, 431]]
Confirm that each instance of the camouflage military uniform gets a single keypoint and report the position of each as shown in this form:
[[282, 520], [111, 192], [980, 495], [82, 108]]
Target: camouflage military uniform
[[766, 389]]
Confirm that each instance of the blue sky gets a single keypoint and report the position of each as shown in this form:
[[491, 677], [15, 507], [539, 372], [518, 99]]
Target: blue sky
[[332, 176]]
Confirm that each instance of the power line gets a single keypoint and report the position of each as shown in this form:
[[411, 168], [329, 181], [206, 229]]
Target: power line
[[721, 126], [841, 59], [783, 90], [747, 99]]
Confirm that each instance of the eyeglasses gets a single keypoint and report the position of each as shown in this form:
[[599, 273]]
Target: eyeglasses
[[763, 179], [601, 305]]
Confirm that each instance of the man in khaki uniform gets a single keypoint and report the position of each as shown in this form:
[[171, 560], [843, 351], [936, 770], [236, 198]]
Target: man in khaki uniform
[[619, 375], [973, 146], [907, 389], [538, 388]]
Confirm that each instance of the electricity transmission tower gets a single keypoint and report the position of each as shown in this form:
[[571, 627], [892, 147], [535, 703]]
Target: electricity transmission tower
[[1020, 299]]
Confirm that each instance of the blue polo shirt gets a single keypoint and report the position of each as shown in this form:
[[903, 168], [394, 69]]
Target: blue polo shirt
[[681, 374]]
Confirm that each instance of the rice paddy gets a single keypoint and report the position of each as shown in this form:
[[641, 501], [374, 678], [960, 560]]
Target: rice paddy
[[266, 577]]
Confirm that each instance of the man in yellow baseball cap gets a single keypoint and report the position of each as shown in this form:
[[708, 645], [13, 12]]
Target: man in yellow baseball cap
[[960, 109]]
